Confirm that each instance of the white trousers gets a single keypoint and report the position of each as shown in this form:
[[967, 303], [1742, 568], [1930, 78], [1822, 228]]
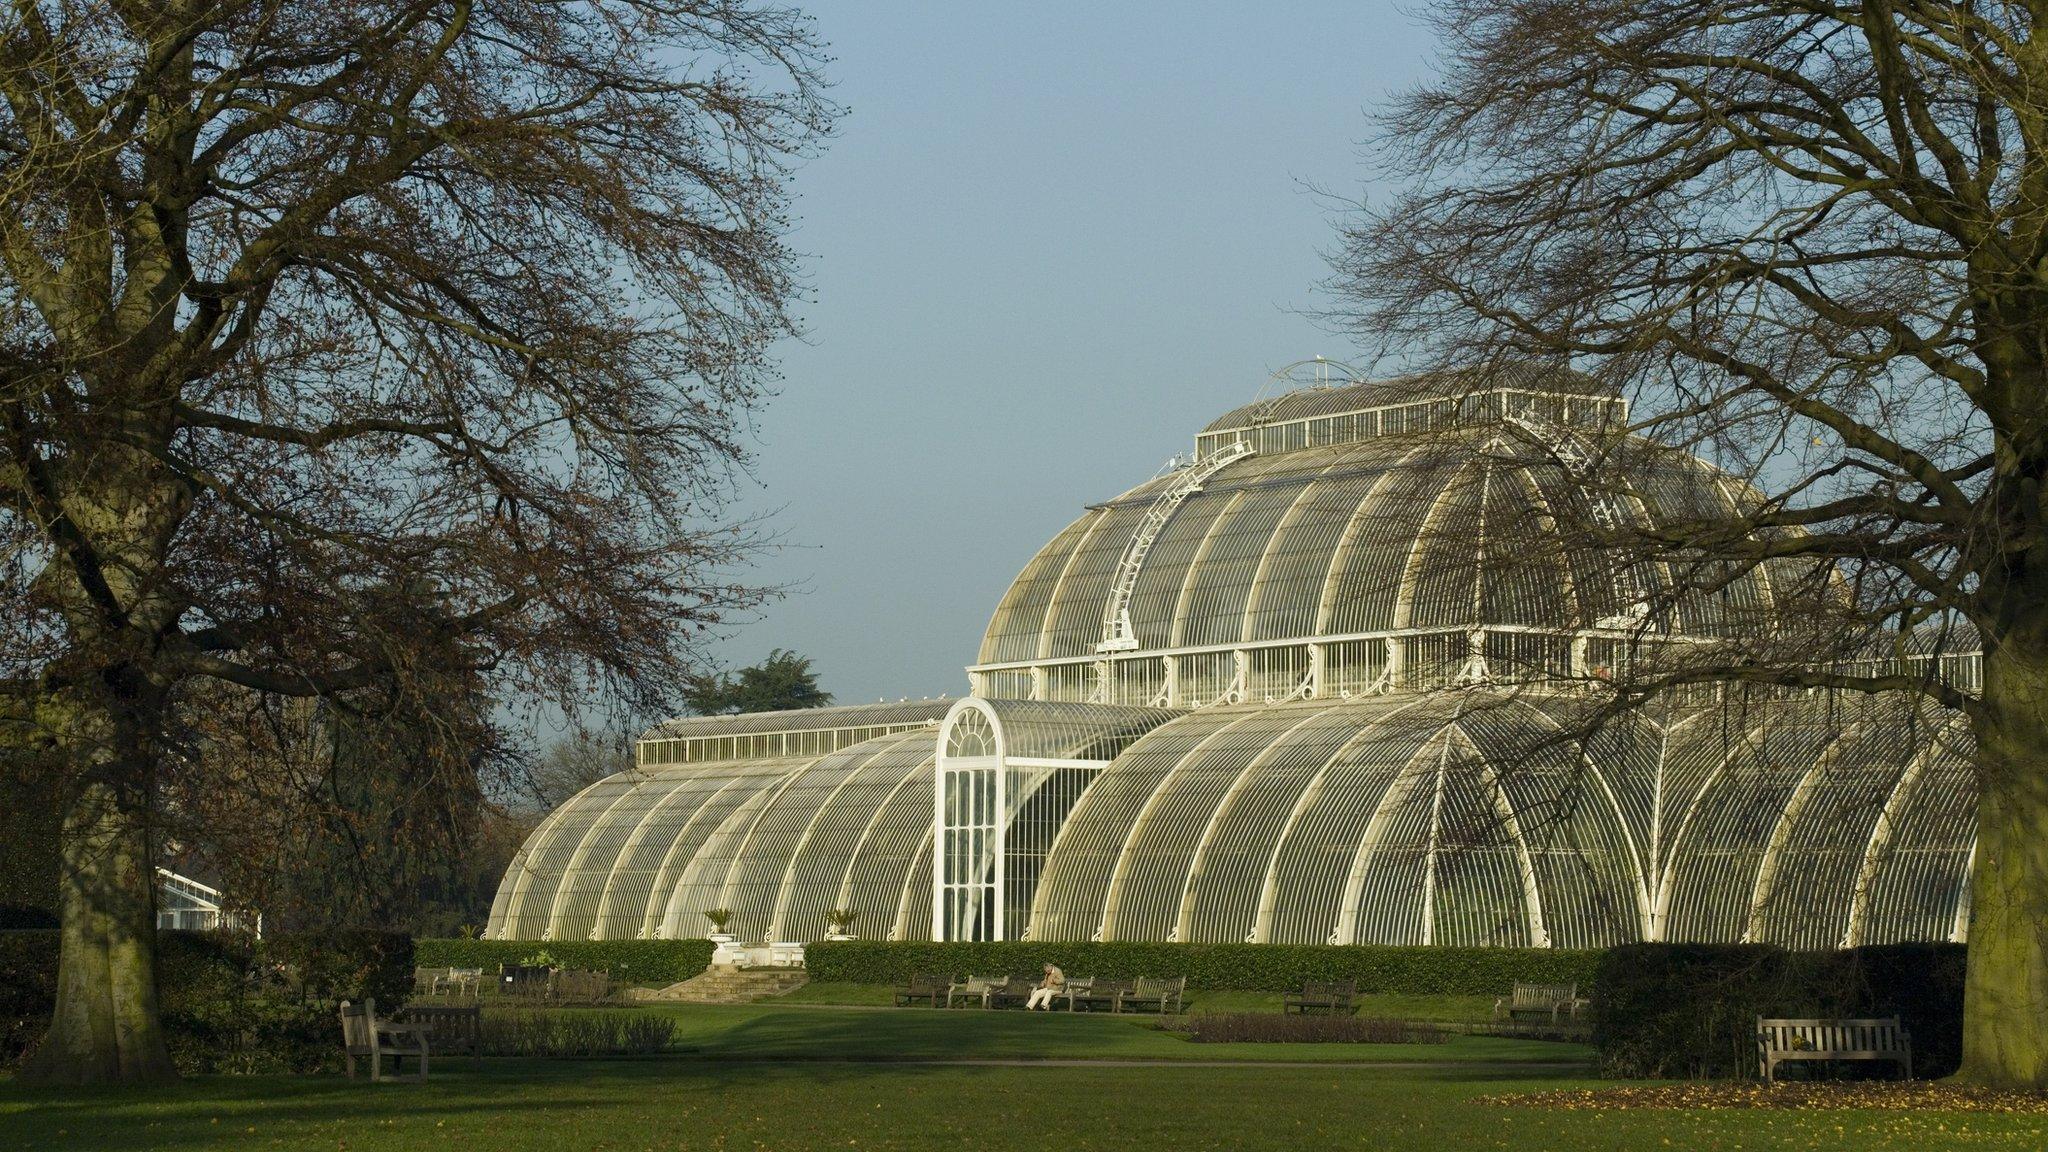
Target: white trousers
[[1041, 998]]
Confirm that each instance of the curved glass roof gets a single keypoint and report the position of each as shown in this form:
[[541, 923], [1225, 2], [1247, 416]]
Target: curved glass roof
[[1360, 395], [780, 842], [888, 712], [850, 830], [1452, 530], [1461, 818]]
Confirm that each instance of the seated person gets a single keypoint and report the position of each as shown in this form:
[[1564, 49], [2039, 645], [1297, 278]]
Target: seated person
[[1049, 987]]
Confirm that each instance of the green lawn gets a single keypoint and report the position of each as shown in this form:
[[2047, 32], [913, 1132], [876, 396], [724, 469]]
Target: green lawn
[[779, 1031], [1461, 1009], [788, 1077]]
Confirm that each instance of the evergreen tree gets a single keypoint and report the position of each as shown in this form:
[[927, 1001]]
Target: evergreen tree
[[782, 681]]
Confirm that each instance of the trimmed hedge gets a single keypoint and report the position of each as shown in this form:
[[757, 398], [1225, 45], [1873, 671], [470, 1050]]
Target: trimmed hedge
[[1428, 971], [632, 961], [229, 1004], [1689, 1010]]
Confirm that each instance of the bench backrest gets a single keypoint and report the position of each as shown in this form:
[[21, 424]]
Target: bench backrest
[[1148, 987], [1855, 1035], [448, 1024], [1080, 984], [1544, 995], [358, 1023], [976, 985], [1327, 989], [928, 981]]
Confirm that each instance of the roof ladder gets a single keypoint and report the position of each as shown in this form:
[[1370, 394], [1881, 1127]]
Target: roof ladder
[[1117, 634], [1116, 613], [1606, 507]]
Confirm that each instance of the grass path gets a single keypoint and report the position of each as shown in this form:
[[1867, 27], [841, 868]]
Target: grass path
[[780, 1031], [784, 1077], [1391, 1006], [664, 1104]]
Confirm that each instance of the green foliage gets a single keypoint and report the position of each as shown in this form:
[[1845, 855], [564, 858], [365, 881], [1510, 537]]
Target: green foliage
[[1689, 1010], [628, 961], [28, 990], [229, 1004], [782, 681], [30, 803], [573, 1035], [1246, 967], [346, 964]]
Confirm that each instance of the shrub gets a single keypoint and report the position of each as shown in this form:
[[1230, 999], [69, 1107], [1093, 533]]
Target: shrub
[[1689, 1010], [1246, 967], [574, 1034], [1684, 1010], [349, 964], [629, 961], [28, 989], [1923, 985], [228, 1003], [1270, 1028]]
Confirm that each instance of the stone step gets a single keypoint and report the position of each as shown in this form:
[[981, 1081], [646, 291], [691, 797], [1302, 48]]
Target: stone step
[[732, 986]]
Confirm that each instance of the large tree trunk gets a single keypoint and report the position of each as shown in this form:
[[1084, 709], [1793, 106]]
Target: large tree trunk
[[2005, 1012], [106, 1028]]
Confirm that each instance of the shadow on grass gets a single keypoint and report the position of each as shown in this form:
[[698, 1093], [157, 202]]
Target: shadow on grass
[[761, 1032], [775, 1059]]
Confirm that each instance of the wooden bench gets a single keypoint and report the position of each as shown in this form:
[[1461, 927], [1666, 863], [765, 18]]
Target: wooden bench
[[364, 1034], [1011, 992], [423, 979], [924, 988], [973, 990], [1328, 997], [1075, 986], [450, 1028], [1150, 994], [1548, 1001], [459, 982], [1779, 1041], [1094, 992]]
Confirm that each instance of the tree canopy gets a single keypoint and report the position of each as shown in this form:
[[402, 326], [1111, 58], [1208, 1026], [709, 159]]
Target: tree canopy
[[1807, 240], [783, 680], [335, 333]]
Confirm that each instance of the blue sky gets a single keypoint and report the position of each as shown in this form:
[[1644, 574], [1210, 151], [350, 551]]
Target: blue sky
[[1050, 242]]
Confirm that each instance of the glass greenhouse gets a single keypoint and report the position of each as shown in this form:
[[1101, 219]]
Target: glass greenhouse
[[1325, 681]]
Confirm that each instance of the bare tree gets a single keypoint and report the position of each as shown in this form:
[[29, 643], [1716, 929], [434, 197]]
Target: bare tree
[[333, 330], [577, 759], [1808, 237]]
